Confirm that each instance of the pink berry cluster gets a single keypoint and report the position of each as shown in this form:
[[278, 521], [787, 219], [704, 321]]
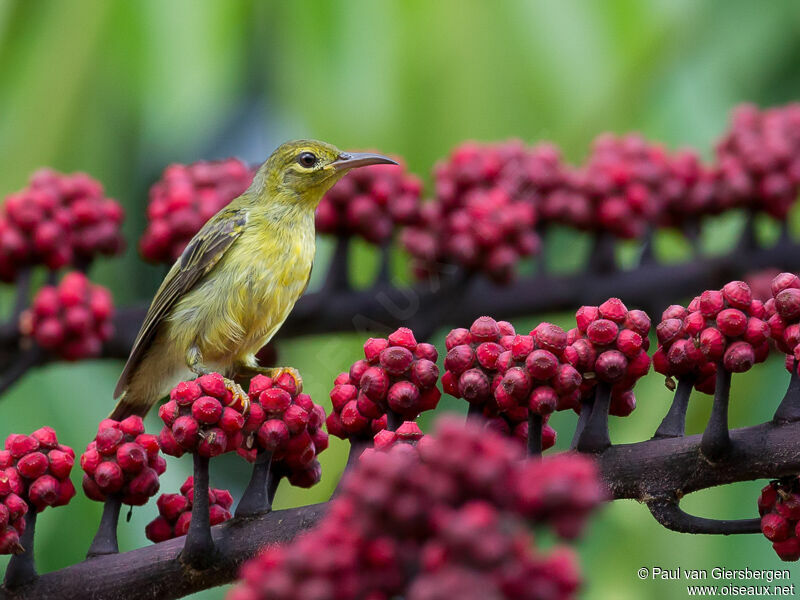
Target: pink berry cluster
[[56, 221], [370, 201], [397, 373], [34, 474], [724, 327], [779, 508], [536, 374], [489, 232], [479, 359], [420, 522], [471, 369], [202, 416], [760, 158], [185, 198], [124, 461], [783, 316], [288, 425], [175, 512], [621, 181], [71, 320], [610, 345]]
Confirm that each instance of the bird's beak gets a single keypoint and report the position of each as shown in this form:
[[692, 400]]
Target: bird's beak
[[352, 160]]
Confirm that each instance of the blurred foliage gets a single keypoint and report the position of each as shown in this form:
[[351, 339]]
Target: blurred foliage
[[121, 89]]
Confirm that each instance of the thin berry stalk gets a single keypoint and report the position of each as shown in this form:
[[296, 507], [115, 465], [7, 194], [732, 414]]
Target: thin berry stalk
[[674, 423], [716, 439], [256, 498], [105, 540], [198, 551], [586, 411], [338, 278], [789, 408], [535, 422], [594, 437], [21, 568]]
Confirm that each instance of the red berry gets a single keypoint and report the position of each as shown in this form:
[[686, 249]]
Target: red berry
[[396, 360], [484, 329], [213, 443], [610, 366], [739, 357], [403, 397], [774, 527], [543, 400], [459, 359], [373, 347], [109, 477], [185, 393], [585, 316], [473, 386], [186, 431], [32, 465], [711, 302], [403, 337], [550, 337], [602, 332], [541, 364], [131, 457], [787, 303], [207, 410], [738, 294], [732, 322], [614, 310]]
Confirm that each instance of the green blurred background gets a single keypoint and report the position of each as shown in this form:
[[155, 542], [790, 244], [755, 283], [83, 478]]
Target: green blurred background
[[120, 89]]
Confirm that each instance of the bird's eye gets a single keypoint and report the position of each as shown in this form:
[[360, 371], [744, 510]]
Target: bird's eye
[[306, 159]]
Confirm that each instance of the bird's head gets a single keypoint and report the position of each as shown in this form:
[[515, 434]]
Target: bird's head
[[303, 170]]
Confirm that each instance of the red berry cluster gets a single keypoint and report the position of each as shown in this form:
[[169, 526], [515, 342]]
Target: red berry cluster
[[535, 373], [57, 220], [488, 233], [621, 179], [561, 491], [485, 547], [34, 473], [185, 198], [288, 425], [408, 518], [122, 460], [175, 512], [779, 507], [610, 345], [396, 374], [202, 416], [370, 201], [477, 361], [484, 213], [719, 327], [783, 316], [71, 320], [471, 369], [759, 158]]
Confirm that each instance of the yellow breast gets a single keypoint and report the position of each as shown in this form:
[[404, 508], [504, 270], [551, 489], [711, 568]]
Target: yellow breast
[[240, 305]]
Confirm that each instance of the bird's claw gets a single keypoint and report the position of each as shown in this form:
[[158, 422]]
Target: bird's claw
[[276, 372], [239, 399]]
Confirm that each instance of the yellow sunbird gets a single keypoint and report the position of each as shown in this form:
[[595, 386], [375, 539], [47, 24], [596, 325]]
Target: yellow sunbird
[[238, 278]]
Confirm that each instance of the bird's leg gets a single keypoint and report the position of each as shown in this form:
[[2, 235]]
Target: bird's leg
[[194, 360], [251, 370]]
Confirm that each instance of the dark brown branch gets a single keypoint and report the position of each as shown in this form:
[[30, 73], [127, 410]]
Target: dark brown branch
[[670, 515], [105, 540], [156, 571], [256, 498], [594, 436]]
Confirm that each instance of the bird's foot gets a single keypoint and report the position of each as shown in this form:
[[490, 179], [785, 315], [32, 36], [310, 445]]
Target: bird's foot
[[276, 372], [239, 400]]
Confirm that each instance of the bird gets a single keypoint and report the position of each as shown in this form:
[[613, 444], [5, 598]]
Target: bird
[[237, 280]]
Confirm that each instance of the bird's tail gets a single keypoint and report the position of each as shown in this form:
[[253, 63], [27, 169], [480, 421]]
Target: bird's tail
[[127, 406]]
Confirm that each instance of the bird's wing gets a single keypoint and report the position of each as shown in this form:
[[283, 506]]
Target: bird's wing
[[201, 254]]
